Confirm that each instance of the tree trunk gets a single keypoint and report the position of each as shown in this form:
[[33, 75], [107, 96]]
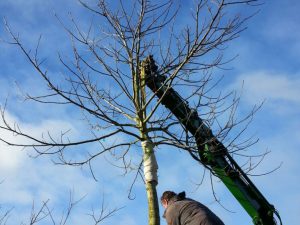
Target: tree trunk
[[153, 209], [149, 160], [150, 172]]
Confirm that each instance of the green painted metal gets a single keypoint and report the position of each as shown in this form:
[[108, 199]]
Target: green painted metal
[[212, 152], [230, 184]]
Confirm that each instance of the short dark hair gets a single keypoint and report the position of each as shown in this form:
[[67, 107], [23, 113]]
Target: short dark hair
[[167, 195]]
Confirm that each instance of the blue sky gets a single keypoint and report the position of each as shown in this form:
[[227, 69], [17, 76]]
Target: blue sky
[[269, 66]]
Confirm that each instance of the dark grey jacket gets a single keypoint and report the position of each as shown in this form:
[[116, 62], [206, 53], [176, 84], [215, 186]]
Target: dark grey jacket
[[189, 212]]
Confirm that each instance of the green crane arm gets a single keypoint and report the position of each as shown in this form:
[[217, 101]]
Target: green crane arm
[[212, 152]]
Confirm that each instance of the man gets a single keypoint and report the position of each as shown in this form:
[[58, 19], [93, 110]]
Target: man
[[184, 211]]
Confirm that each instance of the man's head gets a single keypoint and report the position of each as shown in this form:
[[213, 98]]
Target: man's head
[[165, 198], [169, 196]]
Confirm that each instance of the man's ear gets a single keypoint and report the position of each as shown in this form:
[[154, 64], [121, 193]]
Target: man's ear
[[164, 203]]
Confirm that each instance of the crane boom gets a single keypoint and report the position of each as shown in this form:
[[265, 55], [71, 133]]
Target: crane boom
[[212, 152]]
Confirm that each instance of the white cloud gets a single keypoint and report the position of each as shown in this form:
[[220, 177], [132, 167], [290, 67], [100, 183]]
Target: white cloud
[[271, 87], [44, 130], [278, 127], [26, 179], [9, 158]]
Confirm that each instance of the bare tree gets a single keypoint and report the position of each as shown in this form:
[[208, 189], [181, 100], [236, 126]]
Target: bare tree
[[107, 82], [45, 213]]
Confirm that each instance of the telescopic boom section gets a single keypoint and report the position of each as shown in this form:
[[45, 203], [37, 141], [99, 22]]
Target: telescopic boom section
[[211, 151]]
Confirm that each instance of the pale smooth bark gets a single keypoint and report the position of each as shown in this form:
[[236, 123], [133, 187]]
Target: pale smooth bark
[[149, 159], [150, 172]]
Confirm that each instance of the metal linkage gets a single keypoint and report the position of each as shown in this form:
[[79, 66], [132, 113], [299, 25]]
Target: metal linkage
[[211, 151]]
